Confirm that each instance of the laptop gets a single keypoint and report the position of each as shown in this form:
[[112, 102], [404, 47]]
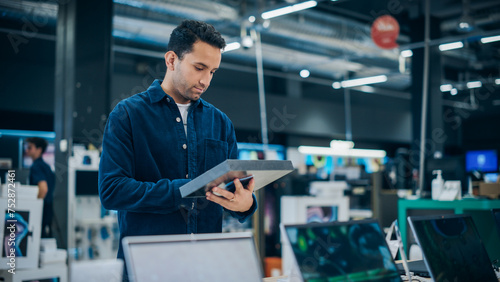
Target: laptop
[[452, 248], [415, 267], [341, 251], [195, 257]]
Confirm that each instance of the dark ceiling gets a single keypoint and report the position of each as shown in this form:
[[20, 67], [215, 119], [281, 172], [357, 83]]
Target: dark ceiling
[[331, 39]]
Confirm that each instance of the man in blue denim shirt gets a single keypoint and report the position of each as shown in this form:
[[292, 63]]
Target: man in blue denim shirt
[[157, 140]]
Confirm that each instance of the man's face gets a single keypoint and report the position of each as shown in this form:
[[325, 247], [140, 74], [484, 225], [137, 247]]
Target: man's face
[[32, 151], [192, 74]]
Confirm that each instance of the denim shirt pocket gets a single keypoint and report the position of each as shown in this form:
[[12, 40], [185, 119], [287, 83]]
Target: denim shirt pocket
[[215, 152]]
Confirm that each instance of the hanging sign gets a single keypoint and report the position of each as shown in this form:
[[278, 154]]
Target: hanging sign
[[385, 31]]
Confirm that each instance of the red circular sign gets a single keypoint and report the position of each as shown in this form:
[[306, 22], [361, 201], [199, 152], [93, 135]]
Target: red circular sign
[[385, 31]]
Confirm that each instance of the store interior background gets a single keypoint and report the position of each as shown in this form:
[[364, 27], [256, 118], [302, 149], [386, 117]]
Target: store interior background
[[331, 40]]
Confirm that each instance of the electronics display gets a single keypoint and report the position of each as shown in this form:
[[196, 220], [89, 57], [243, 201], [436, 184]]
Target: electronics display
[[263, 171], [322, 213], [484, 161], [491, 177], [256, 151], [452, 248], [204, 257], [87, 183], [23, 240], [342, 251]]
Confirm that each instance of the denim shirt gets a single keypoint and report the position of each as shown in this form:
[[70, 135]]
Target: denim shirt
[[41, 171], [147, 156]]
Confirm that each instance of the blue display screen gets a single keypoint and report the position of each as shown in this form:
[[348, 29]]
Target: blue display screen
[[484, 161]]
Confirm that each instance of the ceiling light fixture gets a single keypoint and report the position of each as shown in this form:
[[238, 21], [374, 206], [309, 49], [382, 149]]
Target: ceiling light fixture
[[251, 19], [451, 46], [466, 22], [474, 84], [364, 81], [406, 53], [304, 73], [497, 81], [288, 9], [328, 151], [453, 92], [342, 148], [232, 46], [336, 85], [247, 42], [445, 87], [490, 39]]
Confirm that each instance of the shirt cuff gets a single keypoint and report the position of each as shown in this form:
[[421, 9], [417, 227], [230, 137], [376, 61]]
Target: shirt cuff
[[243, 216]]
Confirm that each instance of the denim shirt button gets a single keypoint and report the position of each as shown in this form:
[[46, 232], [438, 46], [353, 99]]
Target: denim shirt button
[[184, 146], [187, 175], [178, 119], [168, 99]]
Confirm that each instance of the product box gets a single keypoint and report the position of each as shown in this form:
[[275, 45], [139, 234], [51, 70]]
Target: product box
[[491, 190], [21, 226]]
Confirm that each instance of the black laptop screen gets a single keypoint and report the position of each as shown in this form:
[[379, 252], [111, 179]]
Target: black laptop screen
[[348, 251], [453, 249]]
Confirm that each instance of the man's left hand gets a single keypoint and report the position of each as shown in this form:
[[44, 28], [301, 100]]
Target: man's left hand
[[239, 201]]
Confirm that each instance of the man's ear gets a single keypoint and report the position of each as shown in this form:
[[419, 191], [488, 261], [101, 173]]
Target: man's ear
[[170, 60]]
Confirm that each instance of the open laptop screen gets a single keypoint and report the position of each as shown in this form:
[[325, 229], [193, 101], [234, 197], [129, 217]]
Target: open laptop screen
[[200, 257], [452, 248], [342, 251]]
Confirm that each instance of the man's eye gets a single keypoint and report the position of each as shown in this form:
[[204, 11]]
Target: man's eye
[[198, 68]]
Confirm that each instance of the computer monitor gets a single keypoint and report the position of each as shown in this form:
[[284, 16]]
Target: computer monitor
[[483, 161], [86, 183], [256, 151]]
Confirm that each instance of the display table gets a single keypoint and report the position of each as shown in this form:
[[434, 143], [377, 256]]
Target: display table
[[480, 210]]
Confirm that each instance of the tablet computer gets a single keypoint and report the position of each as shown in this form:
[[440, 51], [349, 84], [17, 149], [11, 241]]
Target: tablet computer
[[222, 175]]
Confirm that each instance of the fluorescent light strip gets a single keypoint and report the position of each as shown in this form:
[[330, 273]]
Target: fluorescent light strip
[[232, 46], [407, 53], [288, 9], [497, 81], [363, 81], [326, 151], [446, 87], [341, 144], [474, 84], [490, 39], [451, 46]]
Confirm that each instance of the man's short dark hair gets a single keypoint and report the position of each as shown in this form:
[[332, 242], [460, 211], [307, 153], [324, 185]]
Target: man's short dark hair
[[38, 142], [188, 32]]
